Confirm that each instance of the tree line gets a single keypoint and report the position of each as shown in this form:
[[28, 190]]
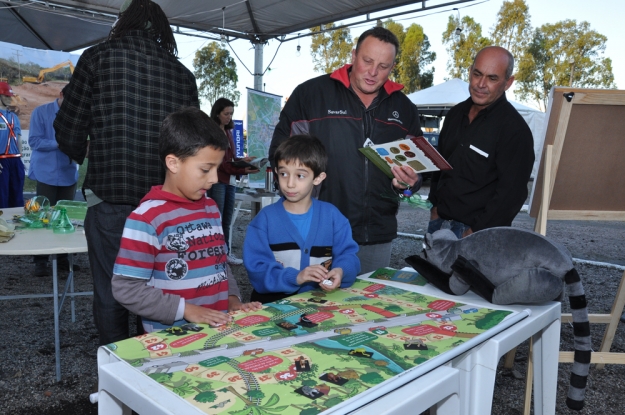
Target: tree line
[[554, 54]]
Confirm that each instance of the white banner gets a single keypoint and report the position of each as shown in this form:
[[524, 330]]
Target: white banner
[[263, 112]]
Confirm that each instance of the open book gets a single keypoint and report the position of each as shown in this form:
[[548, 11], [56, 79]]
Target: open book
[[415, 152]]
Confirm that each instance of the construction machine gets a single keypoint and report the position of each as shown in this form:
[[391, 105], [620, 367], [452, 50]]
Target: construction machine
[[43, 72]]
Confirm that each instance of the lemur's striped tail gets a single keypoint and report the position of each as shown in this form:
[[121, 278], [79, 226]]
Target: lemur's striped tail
[[581, 333]]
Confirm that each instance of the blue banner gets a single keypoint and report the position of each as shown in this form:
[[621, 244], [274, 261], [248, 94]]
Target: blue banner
[[237, 135]]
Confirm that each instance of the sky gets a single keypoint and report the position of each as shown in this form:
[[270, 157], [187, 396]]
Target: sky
[[289, 70]]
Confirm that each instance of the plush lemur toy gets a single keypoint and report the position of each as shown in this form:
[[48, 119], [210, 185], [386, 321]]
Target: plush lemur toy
[[511, 266]]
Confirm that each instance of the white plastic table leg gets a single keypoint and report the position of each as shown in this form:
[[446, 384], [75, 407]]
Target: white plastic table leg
[[545, 356]]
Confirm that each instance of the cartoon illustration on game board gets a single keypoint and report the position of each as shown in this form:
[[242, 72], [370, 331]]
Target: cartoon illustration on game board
[[357, 338]]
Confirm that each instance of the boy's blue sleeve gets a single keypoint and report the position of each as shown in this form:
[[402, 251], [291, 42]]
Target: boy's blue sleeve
[[265, 273], [344, 249]]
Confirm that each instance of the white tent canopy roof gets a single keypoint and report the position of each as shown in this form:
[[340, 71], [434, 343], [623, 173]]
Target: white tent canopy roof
[[73, 24]]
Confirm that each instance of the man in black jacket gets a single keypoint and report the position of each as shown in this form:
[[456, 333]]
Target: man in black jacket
[[490, 148], [354, 106]]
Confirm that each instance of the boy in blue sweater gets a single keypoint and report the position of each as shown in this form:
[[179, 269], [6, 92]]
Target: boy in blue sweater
[[299, 243]]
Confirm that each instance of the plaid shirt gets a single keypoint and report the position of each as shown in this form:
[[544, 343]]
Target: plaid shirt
[[119, 94]]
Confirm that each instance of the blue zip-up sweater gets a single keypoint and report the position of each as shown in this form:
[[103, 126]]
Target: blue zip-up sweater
[[274, 251]]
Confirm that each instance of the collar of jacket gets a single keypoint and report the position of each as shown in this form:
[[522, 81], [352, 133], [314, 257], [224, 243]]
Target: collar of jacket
[[342, 75]]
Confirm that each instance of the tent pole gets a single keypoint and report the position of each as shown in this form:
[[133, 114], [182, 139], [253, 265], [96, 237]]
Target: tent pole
[[258, 66]]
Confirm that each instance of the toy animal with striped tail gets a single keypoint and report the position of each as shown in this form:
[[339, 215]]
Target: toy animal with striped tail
[[511, 266]]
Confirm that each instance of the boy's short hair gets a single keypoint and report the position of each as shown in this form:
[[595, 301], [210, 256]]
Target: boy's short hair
[[188, 130], [306, 149]]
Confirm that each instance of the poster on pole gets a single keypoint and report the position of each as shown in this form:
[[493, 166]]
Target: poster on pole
[[237, 135], [263, 112]]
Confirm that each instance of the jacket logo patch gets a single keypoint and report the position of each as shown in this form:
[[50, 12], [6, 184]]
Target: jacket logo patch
[[337, 112], [395, 114]]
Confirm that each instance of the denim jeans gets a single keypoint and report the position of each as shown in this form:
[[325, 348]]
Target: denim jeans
[[104, 225], [456, 227], [224, 196]]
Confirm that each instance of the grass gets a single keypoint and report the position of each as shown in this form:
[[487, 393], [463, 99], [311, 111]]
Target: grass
[[30, 186]]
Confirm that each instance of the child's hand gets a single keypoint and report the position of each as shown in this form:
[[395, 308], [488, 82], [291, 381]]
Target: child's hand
[[335, 276], [235, 304], [314, 273], [196, 314]]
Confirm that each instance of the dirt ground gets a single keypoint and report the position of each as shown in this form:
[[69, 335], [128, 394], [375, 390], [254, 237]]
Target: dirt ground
[[30, 96], [28, 386]]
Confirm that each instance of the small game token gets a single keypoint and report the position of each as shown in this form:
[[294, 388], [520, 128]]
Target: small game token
[[327, 282]]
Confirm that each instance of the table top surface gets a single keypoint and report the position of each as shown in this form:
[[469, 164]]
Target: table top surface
[[41, 241]]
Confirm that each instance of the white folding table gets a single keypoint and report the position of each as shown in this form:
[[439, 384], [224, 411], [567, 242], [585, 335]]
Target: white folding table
[[46, 242], [258, 200], [459, 381]]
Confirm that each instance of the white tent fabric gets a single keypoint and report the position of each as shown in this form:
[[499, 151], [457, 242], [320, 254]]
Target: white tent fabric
[[438, 99]]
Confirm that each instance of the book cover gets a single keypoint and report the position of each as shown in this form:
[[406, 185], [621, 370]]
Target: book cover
[[415, 152]]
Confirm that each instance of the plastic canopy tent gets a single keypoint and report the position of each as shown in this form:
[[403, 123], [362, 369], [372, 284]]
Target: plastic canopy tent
[[438, 99]]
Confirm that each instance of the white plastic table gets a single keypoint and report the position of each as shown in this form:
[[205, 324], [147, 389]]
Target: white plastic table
[[258, 200], [460, 381], [46, 242]]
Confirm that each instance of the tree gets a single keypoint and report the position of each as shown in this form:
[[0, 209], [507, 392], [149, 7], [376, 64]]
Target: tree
[[330, 48], [547, 61], [462, 48], [414, 58], [513, 29], [216, 71]]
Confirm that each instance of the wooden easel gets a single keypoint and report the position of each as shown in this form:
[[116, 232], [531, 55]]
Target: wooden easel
[[582, 177]]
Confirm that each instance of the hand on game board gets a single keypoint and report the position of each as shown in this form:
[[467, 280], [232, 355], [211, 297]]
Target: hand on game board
[[235, 304], [314, 273], [335, 276], [196, 314]]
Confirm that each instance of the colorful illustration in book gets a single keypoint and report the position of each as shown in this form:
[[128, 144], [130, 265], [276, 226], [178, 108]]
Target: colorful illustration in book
[[415, 152]]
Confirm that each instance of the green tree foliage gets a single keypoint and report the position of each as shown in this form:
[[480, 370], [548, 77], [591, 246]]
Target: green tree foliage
[[330, 49], [415, 59], [205, 397], [216, 72], [546, 62], [513, 29], [462, 48], [372, 378]]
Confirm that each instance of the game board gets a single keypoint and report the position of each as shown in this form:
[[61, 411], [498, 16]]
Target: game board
[[350, 340], [406, 277]]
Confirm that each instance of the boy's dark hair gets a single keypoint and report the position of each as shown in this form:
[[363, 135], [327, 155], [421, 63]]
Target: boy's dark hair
[[188, 130], [306, 149], [218, 107], [379, 33]]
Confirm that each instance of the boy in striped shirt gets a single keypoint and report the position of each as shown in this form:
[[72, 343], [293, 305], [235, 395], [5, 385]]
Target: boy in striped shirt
[[172, 268]]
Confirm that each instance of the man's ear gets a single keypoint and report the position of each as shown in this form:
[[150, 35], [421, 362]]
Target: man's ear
[[172, 163], [509, 82], [353, 55], [317, 180]]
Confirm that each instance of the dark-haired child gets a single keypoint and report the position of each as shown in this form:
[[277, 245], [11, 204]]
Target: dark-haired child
[[171, 267], [299, 243]]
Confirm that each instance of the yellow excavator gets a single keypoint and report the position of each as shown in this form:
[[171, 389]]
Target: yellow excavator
[[43, 72]]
